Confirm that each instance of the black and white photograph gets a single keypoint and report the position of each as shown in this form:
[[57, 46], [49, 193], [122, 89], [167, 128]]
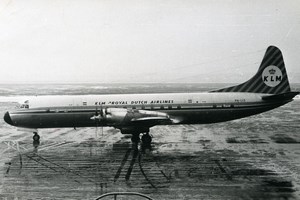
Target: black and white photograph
[[149, 99]]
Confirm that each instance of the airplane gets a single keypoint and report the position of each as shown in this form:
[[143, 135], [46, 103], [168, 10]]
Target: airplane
[[135, 114]]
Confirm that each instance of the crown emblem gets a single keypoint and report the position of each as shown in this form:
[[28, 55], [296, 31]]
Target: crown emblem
[[272, 71]]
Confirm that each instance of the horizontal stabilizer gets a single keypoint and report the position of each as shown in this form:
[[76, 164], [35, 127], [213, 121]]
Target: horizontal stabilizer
[[282, 96]]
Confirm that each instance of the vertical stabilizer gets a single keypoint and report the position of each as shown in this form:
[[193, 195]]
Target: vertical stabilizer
[[271, 77]]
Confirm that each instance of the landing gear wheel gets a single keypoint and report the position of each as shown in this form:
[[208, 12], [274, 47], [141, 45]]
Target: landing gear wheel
[[36, 137], [146, 139], [135, 138], [36, 141], [146, 143]]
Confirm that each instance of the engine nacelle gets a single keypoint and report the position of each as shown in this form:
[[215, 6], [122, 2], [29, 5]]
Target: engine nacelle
[[118, 117], [115, 115], [111, 116]]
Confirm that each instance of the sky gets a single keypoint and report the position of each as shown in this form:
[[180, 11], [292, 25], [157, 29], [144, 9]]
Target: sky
[[144, 41]]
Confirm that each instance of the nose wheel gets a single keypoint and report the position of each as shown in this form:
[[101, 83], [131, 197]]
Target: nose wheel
[[36, 141], [36, 137]]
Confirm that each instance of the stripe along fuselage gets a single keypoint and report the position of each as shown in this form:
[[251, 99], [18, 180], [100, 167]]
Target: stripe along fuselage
[[182, 108]]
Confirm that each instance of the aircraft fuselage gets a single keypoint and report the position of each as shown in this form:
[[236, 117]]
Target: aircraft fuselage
[[182, 108]]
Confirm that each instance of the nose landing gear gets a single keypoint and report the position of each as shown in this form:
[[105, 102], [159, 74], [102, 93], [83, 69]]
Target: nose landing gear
[[36, 140], [36, 137]]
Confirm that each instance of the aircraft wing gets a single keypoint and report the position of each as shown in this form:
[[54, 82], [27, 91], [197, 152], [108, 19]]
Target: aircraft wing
[[151, 121]]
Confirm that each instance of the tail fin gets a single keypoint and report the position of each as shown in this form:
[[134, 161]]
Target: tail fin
[[271, 77]]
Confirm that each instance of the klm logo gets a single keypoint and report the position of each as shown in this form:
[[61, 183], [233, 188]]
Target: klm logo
[[272, 76]]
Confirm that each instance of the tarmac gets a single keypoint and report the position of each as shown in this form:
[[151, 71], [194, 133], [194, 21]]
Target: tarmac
[[250, 158]]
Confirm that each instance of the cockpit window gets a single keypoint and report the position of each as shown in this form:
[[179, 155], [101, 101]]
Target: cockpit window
[[25, 104]]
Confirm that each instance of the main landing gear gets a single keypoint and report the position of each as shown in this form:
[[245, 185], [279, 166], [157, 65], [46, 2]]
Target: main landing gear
[[146, 141], [135, 138]]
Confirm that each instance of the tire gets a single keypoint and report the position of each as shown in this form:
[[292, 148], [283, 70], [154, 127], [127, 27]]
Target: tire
[[36, 137], [146, 139], [135, 138]]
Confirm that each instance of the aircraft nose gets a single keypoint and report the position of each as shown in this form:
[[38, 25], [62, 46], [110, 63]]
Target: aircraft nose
[[7, 118]]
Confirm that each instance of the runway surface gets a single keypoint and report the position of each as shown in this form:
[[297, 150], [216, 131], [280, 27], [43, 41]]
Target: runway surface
[[251, 158]]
